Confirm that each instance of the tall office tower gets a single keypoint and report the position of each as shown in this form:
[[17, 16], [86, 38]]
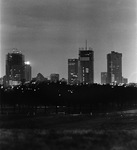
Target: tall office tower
[[86, 65], [103, 77], [54, 77], [72, 71], [114, 67], [1, 81], [27, 68], [14, 67]]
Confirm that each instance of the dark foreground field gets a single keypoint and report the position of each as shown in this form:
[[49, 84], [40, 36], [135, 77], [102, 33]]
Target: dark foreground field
[[60, 132]]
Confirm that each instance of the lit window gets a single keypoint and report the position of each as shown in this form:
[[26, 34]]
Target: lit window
[[87, 70]]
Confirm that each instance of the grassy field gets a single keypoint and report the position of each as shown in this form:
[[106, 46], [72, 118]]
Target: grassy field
[[60, 132]]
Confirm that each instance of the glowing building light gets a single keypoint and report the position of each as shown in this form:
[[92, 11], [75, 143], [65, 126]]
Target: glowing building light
[[27, 63]]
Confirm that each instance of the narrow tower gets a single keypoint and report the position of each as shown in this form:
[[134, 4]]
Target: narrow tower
[[114, 67], [86, 65]]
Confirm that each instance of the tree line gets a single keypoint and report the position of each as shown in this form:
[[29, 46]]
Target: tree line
[[91, 98]]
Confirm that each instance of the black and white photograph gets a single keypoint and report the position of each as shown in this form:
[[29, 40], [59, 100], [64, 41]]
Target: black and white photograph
[[68, 74]]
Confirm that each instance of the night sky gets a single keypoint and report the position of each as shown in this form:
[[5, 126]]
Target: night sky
[[49, 32]]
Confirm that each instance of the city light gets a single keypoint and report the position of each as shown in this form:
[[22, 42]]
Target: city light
[[27, 63]]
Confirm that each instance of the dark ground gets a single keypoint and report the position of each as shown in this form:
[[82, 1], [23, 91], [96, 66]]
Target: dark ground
[[68, 132]]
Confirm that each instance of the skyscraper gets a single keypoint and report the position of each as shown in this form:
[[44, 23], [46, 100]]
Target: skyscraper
[[72, 71], [114, 67], [86, 65], [14, 67], [27, 68], [103, 77]]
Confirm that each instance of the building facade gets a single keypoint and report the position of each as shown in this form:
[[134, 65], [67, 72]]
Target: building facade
[[15, 67], [54, 77], [114, 67], [124, 80], [103, 77], [27, 69], [86, 66], [72, 71], [1, 81]]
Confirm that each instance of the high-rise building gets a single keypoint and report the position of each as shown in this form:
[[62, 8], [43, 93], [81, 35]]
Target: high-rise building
[[27, 68], [103, 77], [72, 71], [86, 65], [114, 67], [15, 67], [5, 81], [1, 81], [54, 77]]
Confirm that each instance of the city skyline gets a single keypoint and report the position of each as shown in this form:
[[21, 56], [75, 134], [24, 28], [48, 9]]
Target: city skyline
[[50, 32], [80, 70]]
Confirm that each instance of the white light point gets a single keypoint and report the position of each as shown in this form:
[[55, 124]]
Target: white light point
[[27, 63]]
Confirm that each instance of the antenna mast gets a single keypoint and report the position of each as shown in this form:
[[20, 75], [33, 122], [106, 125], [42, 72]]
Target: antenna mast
[[86, 45]]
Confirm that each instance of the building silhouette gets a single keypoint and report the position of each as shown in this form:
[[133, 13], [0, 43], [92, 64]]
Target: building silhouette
[[86, 65], [63, 80], [103, 77], [14, 67], [27, 71], [124, 80], [114, 67], [54, 77], [1, 81], [72, 71], [39, 78]]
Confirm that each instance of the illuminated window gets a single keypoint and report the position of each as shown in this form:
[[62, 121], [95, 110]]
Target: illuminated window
[[87, 70]]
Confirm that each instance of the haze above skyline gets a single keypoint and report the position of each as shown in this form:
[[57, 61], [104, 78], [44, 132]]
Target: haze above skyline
[[49, 32]]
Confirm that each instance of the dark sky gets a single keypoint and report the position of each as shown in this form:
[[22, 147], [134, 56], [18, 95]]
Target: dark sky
[[48, 32]]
